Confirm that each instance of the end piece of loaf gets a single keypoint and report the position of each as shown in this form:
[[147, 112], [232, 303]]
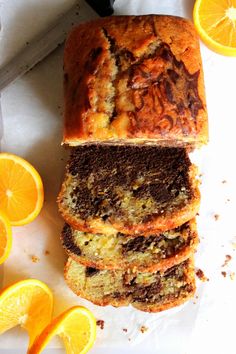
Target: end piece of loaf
[[140, 253], [134, 79], [130, 189], [152, 292]]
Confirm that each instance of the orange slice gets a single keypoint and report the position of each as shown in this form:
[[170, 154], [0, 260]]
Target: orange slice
[[215, 21], [76, 327], [21, 189], [5, 238], [27, 303]]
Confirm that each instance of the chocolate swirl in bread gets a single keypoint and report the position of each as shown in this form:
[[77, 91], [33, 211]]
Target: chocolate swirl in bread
[[131, 189], [119, 251], [151, 292], [134, 79]]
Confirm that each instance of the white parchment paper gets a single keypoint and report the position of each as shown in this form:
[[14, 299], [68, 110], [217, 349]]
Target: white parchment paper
[[32, 128]]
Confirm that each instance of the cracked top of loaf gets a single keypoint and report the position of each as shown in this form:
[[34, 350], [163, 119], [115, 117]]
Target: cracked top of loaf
[[134, 79]]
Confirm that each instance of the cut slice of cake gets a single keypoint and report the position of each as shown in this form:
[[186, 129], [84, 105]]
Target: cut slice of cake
[[134, 79], [150, 292], [130, 189], [140, 253]]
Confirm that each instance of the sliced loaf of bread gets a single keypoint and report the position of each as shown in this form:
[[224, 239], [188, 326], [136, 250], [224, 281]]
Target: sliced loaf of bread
[[151, 292], [119, 251], [131, 189]]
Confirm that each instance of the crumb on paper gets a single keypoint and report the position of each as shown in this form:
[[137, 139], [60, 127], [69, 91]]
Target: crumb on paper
[[143, 329], [35, 259], [200, 274], [231, 275], [216, 216], [46, 252], [227, 260], [100, 323], [224, 181], [125, 330]]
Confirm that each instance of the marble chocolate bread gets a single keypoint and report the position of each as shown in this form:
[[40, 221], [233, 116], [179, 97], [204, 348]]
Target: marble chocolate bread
[[140, 253], [150, 292], [129, 189], [134, 79]]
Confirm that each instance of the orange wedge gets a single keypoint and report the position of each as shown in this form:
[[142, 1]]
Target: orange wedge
[[27, 303], [5, 238], [76, 327], [215, 21], [21, 189]]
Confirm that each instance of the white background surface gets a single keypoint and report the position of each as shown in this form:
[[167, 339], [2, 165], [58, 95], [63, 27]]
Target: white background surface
[[32, 128]]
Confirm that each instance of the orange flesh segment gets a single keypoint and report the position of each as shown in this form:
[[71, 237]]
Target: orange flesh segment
[[21, 189], [76, 327], [5, 238], [27, 303], [216, 22]]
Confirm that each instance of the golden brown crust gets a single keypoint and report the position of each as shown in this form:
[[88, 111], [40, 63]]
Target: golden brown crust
[[156, 225], [151, 267], [143, 88], [125, 301]]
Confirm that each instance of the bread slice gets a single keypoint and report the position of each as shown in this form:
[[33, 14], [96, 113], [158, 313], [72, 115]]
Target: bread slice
[[150, 292], [134, 79], [119, 251], [131, 189]]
